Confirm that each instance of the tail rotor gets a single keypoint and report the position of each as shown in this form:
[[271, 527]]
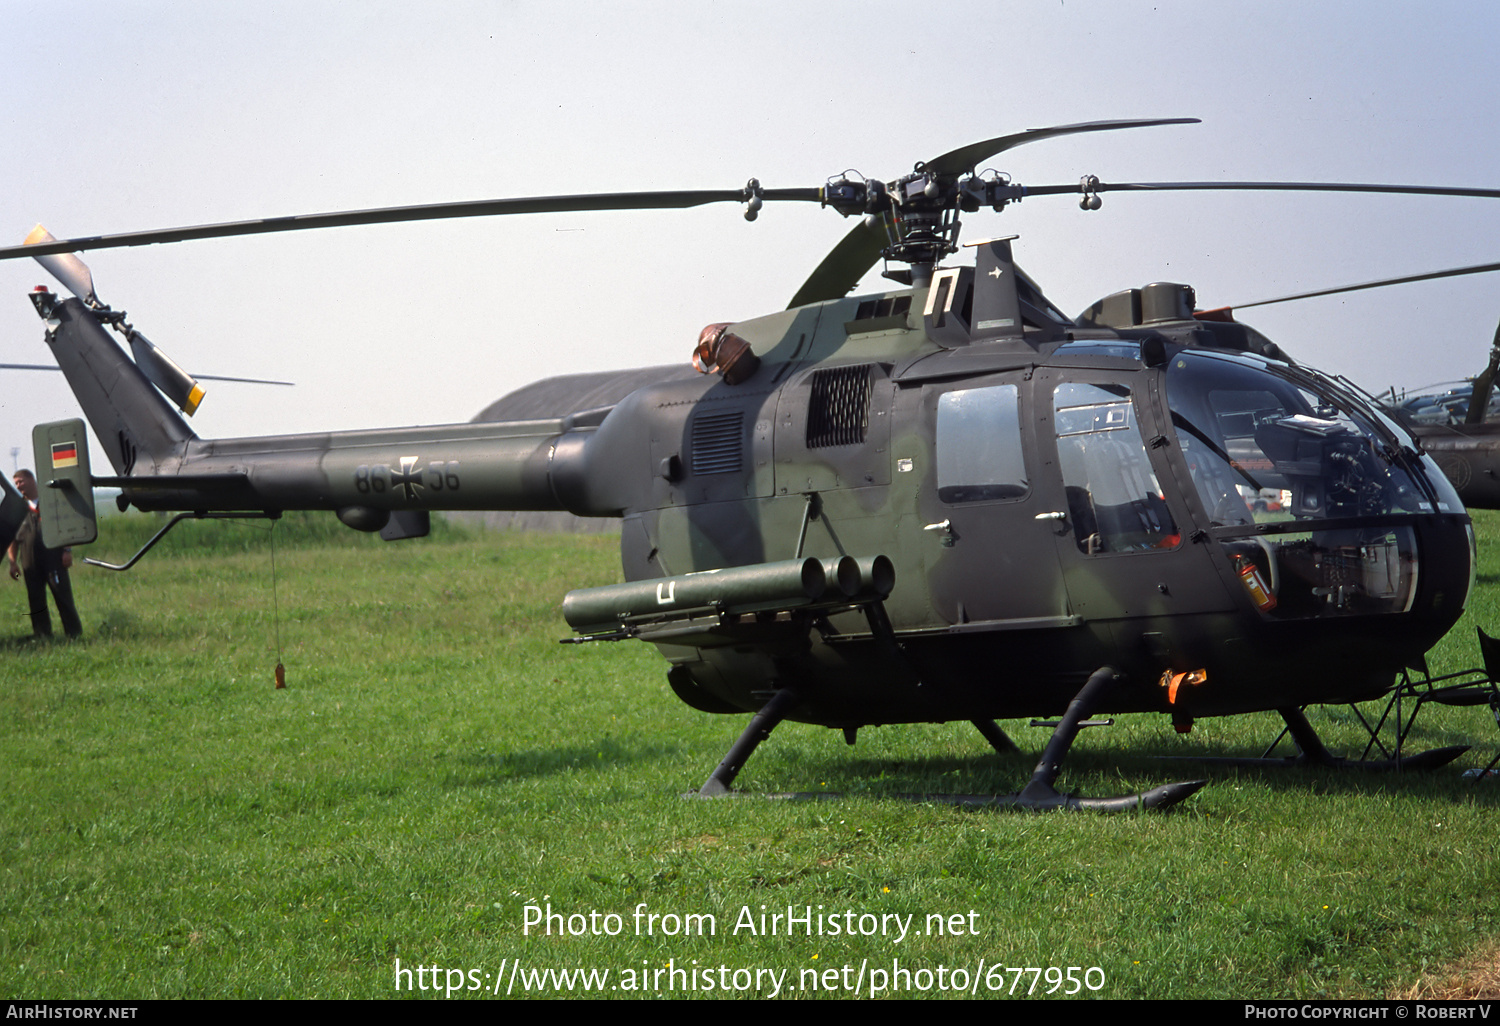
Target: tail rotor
[[160, 369]]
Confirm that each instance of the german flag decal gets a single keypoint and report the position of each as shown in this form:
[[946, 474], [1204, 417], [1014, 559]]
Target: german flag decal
[[64, 454]]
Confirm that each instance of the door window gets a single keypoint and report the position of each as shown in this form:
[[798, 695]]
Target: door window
[[979, 453], [1114, 501]]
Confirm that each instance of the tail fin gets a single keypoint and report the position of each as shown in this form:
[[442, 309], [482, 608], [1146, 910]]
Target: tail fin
[[135, 425]]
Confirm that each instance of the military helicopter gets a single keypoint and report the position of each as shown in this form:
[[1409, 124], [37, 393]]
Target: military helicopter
[[1468, 451], [943, 501]]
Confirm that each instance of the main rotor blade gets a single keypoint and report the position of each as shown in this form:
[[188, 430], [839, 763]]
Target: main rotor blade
[[426, 212], [956, 162], [1450, 273], [200, 377], [844, 265], [1402, 190]]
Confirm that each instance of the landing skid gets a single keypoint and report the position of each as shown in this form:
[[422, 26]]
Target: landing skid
[[1039, 795], [1311, 752]]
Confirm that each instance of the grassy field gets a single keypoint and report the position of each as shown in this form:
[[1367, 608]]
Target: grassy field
[[438, 764]]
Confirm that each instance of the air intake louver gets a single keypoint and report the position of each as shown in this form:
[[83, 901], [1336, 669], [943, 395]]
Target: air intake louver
[[840, 410], [718, 442]]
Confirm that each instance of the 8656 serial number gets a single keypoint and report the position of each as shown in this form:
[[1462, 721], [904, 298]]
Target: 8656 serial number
[[377, 478]]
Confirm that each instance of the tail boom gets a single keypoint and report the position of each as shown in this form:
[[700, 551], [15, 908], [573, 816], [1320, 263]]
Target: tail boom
[[160, 464], [505, 466]]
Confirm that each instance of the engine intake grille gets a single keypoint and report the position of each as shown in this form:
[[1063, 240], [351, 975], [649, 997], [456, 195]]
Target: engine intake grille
[[840, 409]]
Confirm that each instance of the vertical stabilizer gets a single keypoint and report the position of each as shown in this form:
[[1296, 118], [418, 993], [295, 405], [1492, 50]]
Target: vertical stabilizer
[[137, 428]]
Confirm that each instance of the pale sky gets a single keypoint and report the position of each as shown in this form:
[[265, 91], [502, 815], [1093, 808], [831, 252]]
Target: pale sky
[[131, 115]]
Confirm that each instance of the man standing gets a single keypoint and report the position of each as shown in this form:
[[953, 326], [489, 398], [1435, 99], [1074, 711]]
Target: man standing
[[42, 567]]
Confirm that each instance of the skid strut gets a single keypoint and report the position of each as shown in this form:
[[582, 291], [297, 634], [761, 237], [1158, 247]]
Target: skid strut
[[1315, 753], [1040, 795], [1311, 752], [999, 740], [761, 725]]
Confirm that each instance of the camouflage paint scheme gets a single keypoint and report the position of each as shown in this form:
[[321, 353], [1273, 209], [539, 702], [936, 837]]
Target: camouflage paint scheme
[[999, 609]]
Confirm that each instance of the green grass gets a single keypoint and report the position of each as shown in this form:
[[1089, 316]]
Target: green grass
[[175, 827]]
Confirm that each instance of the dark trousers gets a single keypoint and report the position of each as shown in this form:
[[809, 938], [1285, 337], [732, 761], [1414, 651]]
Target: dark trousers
[[37, 584]]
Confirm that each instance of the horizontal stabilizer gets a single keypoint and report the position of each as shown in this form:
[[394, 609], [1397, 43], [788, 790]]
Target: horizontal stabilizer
[[65, 499]]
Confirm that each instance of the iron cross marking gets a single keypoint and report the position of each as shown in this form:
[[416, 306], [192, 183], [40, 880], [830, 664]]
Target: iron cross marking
[[409, 479]]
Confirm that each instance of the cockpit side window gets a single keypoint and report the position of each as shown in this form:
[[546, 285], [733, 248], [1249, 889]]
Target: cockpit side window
[[1114, 501]]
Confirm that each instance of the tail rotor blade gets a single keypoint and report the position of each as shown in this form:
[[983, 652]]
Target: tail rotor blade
[[65, 267], [175, 383], [160, 369], [196, 377]]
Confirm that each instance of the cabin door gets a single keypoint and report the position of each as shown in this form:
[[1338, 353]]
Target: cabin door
[[1119, 536], [987, 546]]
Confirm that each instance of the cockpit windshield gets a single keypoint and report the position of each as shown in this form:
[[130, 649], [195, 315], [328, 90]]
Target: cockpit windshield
[[1263, 447], [1309, 494]]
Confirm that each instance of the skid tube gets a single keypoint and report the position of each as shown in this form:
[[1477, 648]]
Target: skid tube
[[1039, 795], [1312, 753]]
